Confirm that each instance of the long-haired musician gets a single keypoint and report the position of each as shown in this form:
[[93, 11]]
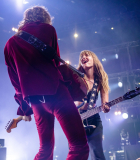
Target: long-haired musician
[[38, 80], [93, 69]]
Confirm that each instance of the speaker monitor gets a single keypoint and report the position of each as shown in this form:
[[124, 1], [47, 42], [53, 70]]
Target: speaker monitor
[[2, 153]]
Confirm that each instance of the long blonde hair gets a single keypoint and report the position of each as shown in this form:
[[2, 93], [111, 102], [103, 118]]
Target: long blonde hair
[[98, 69], [34, 14]]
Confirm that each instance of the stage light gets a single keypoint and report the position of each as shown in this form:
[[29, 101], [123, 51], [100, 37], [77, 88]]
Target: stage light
[[58, 39], [14, 29], [116, 113], [125, 115], [119, 112], [75, 35], [137, 83], [116, 56], [95, 31], [112, 28], [19, 4], [121, 151], [25, 2], [120, 84], [104, 59], [67, 62]]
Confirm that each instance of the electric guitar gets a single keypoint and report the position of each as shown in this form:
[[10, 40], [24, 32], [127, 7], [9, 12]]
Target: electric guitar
[[129, 95]]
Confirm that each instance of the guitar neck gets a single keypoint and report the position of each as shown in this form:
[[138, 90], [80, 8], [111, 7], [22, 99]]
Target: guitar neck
[[68, 65], [96, 110]]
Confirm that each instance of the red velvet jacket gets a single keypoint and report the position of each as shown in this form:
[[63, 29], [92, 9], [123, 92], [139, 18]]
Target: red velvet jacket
[[29, 71]]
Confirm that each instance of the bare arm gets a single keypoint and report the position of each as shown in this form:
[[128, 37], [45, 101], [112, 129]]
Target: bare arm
[[104, 96], [104, 100]]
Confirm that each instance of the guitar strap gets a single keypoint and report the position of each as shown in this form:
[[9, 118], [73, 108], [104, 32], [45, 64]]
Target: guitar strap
[[48, 51], [37, 43], [91, 100], [93, 96]]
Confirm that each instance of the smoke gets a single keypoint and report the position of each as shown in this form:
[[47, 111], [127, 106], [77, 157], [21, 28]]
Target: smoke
[[1, 19]]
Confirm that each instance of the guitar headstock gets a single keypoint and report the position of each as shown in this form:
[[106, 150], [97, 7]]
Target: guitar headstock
[[132, 94], [10, 125]]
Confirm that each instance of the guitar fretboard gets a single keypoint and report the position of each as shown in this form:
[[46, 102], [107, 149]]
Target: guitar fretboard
[[95, 110]]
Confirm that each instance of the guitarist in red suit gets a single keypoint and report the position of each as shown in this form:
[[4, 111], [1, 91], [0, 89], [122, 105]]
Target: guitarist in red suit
[[38, 81], [92, 67]]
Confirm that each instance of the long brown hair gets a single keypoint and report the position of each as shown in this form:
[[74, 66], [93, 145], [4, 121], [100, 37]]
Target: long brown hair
[[98, 69], [34, 14]]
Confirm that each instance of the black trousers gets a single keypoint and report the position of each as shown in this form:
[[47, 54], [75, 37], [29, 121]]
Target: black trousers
[[95, 142]]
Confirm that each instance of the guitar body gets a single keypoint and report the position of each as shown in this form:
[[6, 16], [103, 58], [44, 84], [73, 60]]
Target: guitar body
[[76, 85]]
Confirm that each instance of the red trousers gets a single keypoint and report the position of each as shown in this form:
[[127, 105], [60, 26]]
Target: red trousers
[[62, 107]]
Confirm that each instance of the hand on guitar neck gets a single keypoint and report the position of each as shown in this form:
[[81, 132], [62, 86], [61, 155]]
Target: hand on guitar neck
[[13, 123], [26, 118], [105, 108]]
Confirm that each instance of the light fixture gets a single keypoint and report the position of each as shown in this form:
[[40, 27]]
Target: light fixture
[[112, 28], [125, 115], [116, 113], [116, 56], [14, 29], [119, 112], [104, 59], [67, 62], [120, 84], [25, 2], [75, 35]]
